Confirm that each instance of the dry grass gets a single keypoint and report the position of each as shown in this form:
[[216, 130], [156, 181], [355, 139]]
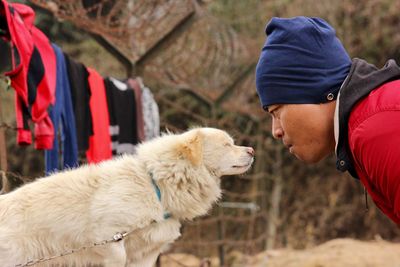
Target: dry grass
[[334, 253]]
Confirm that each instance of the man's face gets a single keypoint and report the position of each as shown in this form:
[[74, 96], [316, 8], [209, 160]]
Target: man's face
[[305, 129]]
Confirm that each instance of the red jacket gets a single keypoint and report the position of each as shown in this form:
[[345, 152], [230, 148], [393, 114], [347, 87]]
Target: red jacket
[[374, 140], [33, 74], [100, 141], [367, 131]]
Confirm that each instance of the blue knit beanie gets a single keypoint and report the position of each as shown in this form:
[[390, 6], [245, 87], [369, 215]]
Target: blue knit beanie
[[302, 62]]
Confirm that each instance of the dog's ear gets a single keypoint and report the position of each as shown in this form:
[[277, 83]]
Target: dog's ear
[[192, 147]]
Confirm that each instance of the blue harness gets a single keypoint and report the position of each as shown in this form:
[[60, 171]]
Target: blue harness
[[158, 192]]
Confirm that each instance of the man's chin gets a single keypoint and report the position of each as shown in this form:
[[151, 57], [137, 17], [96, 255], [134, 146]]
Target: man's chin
[[308, 159]]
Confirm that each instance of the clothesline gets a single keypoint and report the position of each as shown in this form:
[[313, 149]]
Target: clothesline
[[8, 126]]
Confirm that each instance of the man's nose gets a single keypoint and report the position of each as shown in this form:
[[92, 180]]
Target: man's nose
[[250, 151], [277, 131]]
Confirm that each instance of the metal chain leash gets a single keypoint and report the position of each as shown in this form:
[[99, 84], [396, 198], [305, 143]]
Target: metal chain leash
[[116, 238]]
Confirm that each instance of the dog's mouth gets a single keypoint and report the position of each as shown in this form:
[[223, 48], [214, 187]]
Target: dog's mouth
[[248, 164], [240, 166]]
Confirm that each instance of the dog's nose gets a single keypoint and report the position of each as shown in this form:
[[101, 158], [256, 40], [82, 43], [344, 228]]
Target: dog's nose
[[250, 151]]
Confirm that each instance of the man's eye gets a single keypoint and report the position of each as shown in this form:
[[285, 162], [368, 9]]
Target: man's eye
[[227, 144], [275, 111], [275, 114]]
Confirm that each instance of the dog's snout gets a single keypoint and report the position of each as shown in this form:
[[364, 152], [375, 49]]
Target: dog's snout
[[250, 151]]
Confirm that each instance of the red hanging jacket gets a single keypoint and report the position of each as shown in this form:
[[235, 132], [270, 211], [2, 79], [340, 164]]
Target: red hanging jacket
[[100, 141], [32, 76]]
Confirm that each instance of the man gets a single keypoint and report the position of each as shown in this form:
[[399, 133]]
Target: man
[[321, 102]]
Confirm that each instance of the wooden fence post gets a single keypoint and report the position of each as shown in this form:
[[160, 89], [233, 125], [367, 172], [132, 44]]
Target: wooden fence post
[[5, 187]]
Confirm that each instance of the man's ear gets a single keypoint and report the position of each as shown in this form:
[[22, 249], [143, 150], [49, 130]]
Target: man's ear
[[192, 147]]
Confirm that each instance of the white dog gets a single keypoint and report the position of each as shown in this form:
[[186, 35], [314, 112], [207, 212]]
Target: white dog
[[172, 178]]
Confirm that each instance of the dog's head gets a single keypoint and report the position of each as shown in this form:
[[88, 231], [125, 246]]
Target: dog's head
[[216, 150], [187, 168]]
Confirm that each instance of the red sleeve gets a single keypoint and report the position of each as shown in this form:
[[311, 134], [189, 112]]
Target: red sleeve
[[375, 145], [44, 134]]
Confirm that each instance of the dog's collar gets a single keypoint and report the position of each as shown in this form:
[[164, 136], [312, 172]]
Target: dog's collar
[[158, 192], [156, 188]]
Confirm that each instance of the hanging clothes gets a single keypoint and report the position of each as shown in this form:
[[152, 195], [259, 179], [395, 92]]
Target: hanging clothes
[[32, 75], [135, 86], [151, 115], [100, 141], [80, 93], [122, 110], [62, 116]]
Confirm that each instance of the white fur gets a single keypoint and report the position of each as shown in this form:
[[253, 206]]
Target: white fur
[[89, 204]]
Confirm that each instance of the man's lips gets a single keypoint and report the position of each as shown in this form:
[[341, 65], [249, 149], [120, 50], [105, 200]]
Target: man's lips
[[289, 146]]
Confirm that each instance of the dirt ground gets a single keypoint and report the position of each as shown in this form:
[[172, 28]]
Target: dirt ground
[[335, 253]]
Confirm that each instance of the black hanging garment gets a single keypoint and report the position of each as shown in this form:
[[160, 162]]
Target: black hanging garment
[[80, 94], [122, 110]]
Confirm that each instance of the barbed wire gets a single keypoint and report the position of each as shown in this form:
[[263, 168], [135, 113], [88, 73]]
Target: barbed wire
[[176, 43], [133, 26]]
